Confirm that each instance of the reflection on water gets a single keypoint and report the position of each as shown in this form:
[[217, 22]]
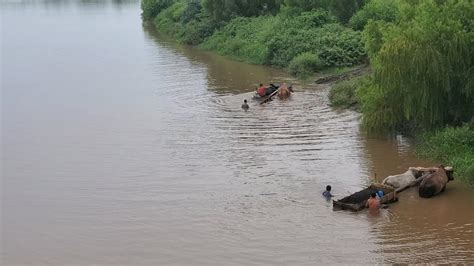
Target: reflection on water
[[120, 147]]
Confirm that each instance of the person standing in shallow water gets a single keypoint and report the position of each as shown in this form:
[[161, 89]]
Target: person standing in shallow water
[[373, 203], [245, 106]]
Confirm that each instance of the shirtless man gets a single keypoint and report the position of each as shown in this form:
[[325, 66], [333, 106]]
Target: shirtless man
[[373, 203]]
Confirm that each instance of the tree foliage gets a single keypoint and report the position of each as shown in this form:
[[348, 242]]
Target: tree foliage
[[151, 8], [344, 9], [423, 67], [307, 5], [225, 10], [385, 10]]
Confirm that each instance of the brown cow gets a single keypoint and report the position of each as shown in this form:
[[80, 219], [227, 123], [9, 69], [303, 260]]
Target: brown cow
[[284, 92], [434, 183]]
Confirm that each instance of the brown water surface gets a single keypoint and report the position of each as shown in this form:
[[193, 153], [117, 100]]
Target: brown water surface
[[121, 147]]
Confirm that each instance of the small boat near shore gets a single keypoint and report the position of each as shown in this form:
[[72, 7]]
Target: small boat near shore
[[271, 91]]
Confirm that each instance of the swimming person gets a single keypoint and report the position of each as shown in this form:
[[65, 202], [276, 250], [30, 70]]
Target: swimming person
[[245, 106], [373, 203], [327, 193]]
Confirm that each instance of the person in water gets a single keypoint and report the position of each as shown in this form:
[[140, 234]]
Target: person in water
[[373, 203], [261, 90], [327, 193], [245, 106]]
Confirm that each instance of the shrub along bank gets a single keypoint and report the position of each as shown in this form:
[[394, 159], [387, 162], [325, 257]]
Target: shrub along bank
[[289, 34], [452, 146]]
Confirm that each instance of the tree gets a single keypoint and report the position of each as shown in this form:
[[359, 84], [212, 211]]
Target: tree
[[224, 10], [151, 8], [344, 9], [424, 68]]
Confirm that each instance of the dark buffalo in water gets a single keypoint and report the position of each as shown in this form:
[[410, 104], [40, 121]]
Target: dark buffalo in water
[[434, 183]]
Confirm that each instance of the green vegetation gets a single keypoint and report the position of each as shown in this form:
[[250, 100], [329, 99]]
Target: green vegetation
[[151, 8], [423, 67], [384, 10], [225, 10], [277, 40], [305, 64], [343, 94], [304, 36], [453, 147]]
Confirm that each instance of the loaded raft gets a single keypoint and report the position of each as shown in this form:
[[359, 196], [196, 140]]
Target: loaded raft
[[357, 201], [271, 91], [389, 188]]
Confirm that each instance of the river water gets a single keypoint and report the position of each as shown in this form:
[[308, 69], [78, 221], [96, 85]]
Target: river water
[[121, 147]]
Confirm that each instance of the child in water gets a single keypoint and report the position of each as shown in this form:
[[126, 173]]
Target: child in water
[[245, 106], [327, 193]]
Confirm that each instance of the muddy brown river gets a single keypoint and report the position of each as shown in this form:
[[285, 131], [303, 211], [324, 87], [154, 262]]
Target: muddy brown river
[[120, 147]]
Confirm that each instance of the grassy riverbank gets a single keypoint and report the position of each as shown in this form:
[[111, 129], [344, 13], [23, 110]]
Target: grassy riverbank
[[302, 36]]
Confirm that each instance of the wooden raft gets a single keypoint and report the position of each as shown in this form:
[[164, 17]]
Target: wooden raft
[[357, 201]]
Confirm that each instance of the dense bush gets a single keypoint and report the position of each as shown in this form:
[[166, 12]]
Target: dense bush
[[305, 64], [454, 147], [386, 10], [307, 5], [197, 30], [169, 20], [262, 39], [341, 9], [276, 40], [344, 9], [185, 21], [151, 8], [343, 94], [243, 39], [225, 10]]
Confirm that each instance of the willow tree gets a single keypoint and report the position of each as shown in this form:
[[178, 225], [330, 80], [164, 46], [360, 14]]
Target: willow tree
[[424, 68]]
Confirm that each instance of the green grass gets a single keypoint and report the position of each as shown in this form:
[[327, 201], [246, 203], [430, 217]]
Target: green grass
[[453, 146]]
